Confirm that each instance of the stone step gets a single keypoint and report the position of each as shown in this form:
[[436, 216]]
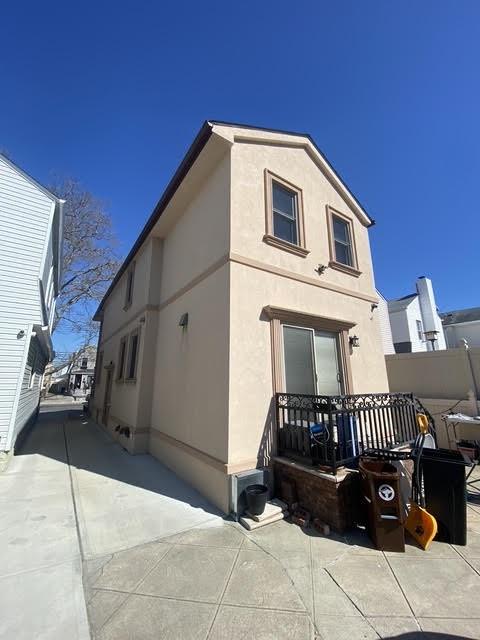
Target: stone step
[[272, 508], [251, 524]]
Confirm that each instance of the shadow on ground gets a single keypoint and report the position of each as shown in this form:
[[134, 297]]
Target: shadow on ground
[[70, 437]]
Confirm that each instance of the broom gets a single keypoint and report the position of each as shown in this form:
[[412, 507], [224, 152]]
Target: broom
[[419, 523]]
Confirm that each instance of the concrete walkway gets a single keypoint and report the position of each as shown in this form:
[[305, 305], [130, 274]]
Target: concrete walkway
[[158, 562]]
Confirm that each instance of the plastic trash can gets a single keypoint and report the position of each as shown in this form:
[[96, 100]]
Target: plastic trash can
[[446, 492], [380, 482], [257, 496]]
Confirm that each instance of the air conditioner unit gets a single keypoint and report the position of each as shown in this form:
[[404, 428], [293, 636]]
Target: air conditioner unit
[[239, 482]]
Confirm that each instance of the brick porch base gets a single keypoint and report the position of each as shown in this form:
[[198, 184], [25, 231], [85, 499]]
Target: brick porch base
[[333, 499]]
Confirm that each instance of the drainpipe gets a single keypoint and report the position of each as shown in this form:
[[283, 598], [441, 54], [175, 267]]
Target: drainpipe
[[474, 389]]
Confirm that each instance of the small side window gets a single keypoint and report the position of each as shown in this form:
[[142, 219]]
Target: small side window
[[133, 355], [121, 358], [129, 286], [98, 369], [421, 337]]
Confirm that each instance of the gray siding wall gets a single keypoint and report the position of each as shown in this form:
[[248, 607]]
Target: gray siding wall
[[25, 215], [31, 386]]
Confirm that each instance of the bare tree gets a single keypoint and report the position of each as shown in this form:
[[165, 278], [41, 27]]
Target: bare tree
[[90, 259]]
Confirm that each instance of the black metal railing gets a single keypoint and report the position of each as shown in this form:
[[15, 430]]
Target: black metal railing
[[332, 431]]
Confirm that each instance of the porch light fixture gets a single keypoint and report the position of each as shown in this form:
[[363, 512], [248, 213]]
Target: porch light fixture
[[431, 336], [321, 269], [354, 341], [183, 320]]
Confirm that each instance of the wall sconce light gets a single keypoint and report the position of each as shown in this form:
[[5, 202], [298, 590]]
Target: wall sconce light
[[183, 320], [321, 269], [354, 341], [374, 306], [20, 334]]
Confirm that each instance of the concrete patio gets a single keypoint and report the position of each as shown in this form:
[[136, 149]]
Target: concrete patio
[[157, 561]]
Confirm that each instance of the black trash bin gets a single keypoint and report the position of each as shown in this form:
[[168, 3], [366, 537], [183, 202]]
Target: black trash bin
[[257, 496], [445, 490], [380, 481]]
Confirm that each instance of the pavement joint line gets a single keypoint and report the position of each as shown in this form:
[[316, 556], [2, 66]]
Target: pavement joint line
[[268, 553], [41, 567], [227, 582], [72, 491], [353, 603], [466, 560], [133, 593], [314, 621], [161, 539], [401, 589], [220, 604]]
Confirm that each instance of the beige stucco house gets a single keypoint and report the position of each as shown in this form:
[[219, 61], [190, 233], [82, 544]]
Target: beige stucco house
[[224, 300]]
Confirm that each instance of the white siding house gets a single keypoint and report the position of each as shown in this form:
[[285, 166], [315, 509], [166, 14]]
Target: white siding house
[[30, 272], [412, 316], [385, 328]]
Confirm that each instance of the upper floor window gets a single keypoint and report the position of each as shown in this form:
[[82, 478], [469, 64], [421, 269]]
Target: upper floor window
[[129, 286], [84, 363], [284, 215], [342, 243], [284, 211]]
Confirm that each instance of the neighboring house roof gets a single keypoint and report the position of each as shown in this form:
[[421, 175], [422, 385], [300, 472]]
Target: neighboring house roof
[[401, 303], [28, 177], [460, 316], [192, 154]]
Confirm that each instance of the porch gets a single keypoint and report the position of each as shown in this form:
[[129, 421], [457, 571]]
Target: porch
[[331, 432], [319, 441]]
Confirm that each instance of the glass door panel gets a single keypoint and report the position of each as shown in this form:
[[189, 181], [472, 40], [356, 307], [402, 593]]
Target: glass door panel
[[328, 365], [299, 360]]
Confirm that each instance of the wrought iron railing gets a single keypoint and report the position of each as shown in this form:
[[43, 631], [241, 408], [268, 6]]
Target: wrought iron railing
[[332, 431]]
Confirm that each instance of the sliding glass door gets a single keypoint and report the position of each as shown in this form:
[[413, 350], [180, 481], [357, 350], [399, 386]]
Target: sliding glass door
[[312, 361]]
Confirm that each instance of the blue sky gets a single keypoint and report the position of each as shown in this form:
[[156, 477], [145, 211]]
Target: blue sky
[[114, 92]]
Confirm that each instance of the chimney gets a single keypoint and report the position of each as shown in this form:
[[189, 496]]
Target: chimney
[[428, 306]]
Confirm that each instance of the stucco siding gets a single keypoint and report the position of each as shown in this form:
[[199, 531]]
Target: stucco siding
[[251, 383], [115, 313], [191, 387], [201, 235], [249, 162]]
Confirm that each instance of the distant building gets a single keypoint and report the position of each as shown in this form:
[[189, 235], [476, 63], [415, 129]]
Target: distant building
[[80, 377], [385, 328], [413, 317], [31, 223], [460, 325], [75, 378]]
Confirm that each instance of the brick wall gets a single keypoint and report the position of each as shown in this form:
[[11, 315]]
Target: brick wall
[[333, 499]]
